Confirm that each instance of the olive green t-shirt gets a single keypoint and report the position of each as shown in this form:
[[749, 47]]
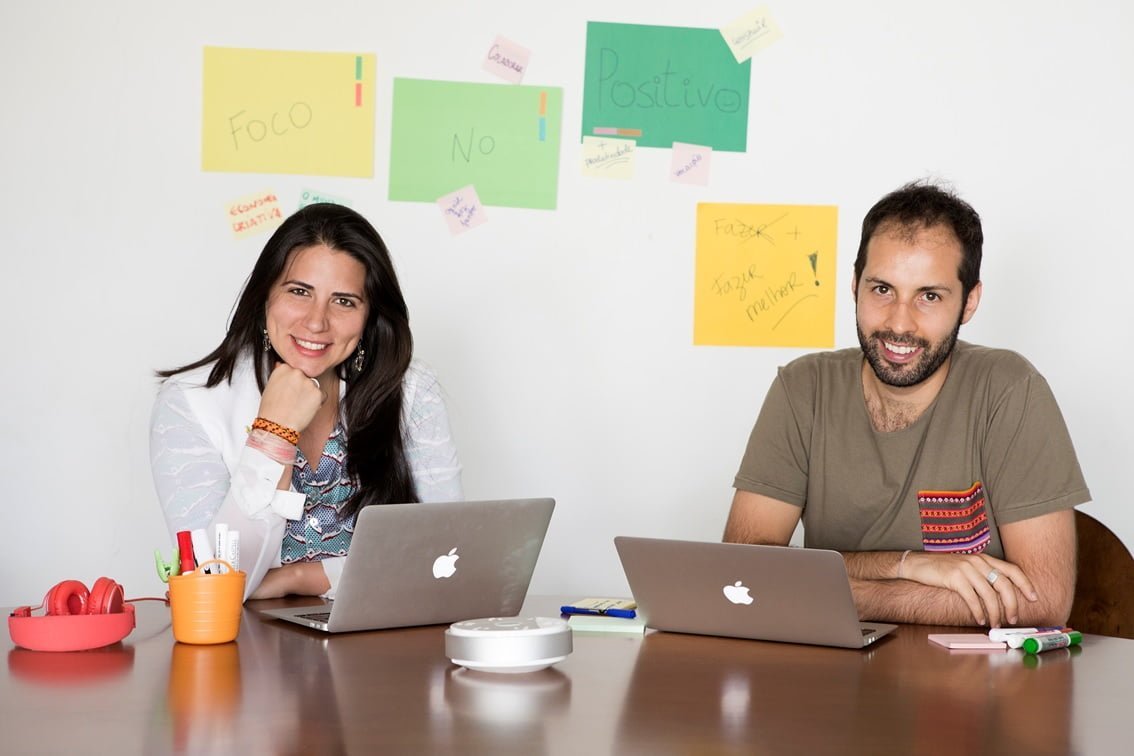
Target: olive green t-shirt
[[992, 448]]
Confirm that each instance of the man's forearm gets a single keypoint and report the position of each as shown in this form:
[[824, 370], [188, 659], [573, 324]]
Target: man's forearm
[[873, 565], [907, 601]]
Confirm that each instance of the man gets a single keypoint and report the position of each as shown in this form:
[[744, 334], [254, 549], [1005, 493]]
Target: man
[[942, 471]]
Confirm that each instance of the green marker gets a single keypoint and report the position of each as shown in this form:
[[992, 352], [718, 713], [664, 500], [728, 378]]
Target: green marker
[[1048, 641]]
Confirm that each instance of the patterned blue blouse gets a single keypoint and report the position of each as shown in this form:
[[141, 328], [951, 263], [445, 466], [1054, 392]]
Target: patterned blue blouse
[[322, 531]]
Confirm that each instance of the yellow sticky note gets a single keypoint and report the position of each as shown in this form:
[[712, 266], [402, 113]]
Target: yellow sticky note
[[254, 214], [277, 111], [604, 157], [751, 33], [765, 275]]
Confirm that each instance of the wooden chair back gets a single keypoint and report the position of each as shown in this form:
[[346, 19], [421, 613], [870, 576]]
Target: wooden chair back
[[1104, 587]]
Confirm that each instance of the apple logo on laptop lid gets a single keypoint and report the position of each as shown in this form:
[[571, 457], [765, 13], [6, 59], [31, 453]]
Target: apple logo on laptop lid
[[445, 565], [737, 593]]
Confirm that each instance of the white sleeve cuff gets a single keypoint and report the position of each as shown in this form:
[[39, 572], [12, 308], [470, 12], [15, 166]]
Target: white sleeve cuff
[[288, 504], [254, 484], [333, 568]]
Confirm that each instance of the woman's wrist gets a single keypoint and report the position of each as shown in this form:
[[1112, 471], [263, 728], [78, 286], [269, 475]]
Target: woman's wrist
[[271, 445]]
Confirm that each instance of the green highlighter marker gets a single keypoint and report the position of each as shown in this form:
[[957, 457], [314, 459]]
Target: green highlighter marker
[[1040, 643]]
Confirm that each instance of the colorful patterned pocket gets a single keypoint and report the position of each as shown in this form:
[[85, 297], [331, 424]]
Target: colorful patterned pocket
[[954, 521]]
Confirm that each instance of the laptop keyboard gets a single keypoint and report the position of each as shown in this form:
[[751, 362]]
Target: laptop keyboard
[[317, 616]]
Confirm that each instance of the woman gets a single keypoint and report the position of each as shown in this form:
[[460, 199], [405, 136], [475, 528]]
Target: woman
[[309, 410]]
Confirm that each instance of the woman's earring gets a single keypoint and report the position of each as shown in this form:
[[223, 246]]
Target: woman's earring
[[359, 360], [267, 343]]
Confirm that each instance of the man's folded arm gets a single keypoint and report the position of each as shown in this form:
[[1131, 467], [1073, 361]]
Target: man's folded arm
[[1033, 585]]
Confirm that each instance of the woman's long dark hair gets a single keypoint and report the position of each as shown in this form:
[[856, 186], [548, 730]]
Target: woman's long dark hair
[[372, 405]]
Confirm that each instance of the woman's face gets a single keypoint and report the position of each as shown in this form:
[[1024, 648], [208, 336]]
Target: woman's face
[[317, 309]]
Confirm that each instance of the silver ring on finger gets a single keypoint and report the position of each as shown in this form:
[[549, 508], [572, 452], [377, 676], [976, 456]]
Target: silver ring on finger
[[316, 382], [992, 576]]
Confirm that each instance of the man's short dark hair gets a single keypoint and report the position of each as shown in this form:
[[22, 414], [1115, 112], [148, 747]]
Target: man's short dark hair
[[919, 205]]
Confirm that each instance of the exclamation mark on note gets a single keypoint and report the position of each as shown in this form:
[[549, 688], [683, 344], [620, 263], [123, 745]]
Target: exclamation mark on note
[[543, 116], [358, 81], [813, 258]]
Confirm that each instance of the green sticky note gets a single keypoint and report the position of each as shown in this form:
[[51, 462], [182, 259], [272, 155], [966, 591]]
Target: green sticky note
[[502, 139], [670, 84]]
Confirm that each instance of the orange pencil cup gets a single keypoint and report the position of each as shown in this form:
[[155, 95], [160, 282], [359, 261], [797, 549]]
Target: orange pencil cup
[[207, 608]]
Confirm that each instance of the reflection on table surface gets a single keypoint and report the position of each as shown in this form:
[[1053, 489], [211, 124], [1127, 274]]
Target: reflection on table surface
[[282, 688]]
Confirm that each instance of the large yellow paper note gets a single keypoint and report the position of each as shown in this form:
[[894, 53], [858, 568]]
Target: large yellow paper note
[[765, 275], [278, 111]]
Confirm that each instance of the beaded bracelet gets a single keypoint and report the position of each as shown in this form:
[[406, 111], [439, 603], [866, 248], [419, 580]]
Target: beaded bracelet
[[287, 434]]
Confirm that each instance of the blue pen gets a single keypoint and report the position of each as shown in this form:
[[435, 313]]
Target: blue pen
[[624, 613]]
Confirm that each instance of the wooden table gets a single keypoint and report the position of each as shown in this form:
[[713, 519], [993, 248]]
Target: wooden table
[[284, 689]]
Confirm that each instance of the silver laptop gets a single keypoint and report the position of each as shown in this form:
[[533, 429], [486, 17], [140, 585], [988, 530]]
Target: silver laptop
[[775, 593], [425, 564]]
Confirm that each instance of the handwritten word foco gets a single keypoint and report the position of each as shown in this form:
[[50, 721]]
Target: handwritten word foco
[[298, 117], [485, 145], [662, 90]]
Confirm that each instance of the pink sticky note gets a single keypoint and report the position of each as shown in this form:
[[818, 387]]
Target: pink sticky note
[[507, 60], [462, 210], [690, 164]]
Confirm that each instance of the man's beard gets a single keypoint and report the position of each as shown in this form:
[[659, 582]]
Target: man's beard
[[932, 356]]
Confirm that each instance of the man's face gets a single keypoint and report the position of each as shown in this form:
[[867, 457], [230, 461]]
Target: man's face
[[909, 302]]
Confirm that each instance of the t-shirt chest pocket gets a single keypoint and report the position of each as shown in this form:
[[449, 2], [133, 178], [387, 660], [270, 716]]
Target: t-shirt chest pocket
[[954, 521]]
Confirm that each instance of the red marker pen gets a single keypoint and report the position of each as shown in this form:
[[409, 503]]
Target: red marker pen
[[185, 549]]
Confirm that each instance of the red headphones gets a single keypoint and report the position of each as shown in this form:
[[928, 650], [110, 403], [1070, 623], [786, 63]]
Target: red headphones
[[74, 619]]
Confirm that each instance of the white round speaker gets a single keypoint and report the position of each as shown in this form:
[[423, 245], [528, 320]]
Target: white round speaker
[[508, 644]]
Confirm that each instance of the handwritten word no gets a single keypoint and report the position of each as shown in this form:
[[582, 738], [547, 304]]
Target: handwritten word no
[[663, 90], [484, 146], [299, 117]]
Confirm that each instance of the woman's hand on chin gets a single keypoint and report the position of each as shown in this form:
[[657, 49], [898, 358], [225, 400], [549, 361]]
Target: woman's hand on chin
[[290, 398]]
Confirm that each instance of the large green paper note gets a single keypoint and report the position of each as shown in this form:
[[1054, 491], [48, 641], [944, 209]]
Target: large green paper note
[[673, 84], [501, 138]]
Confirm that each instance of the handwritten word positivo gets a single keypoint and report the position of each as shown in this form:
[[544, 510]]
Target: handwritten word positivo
[[666, 89]]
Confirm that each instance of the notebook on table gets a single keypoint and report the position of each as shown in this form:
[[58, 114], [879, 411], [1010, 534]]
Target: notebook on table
[[775, 593], [426, 564]]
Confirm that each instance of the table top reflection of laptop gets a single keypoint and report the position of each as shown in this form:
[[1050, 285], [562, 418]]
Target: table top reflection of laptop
[[776, 593], [426, 564]]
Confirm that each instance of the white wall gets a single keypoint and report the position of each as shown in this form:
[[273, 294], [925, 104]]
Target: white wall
[[563, 337]]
